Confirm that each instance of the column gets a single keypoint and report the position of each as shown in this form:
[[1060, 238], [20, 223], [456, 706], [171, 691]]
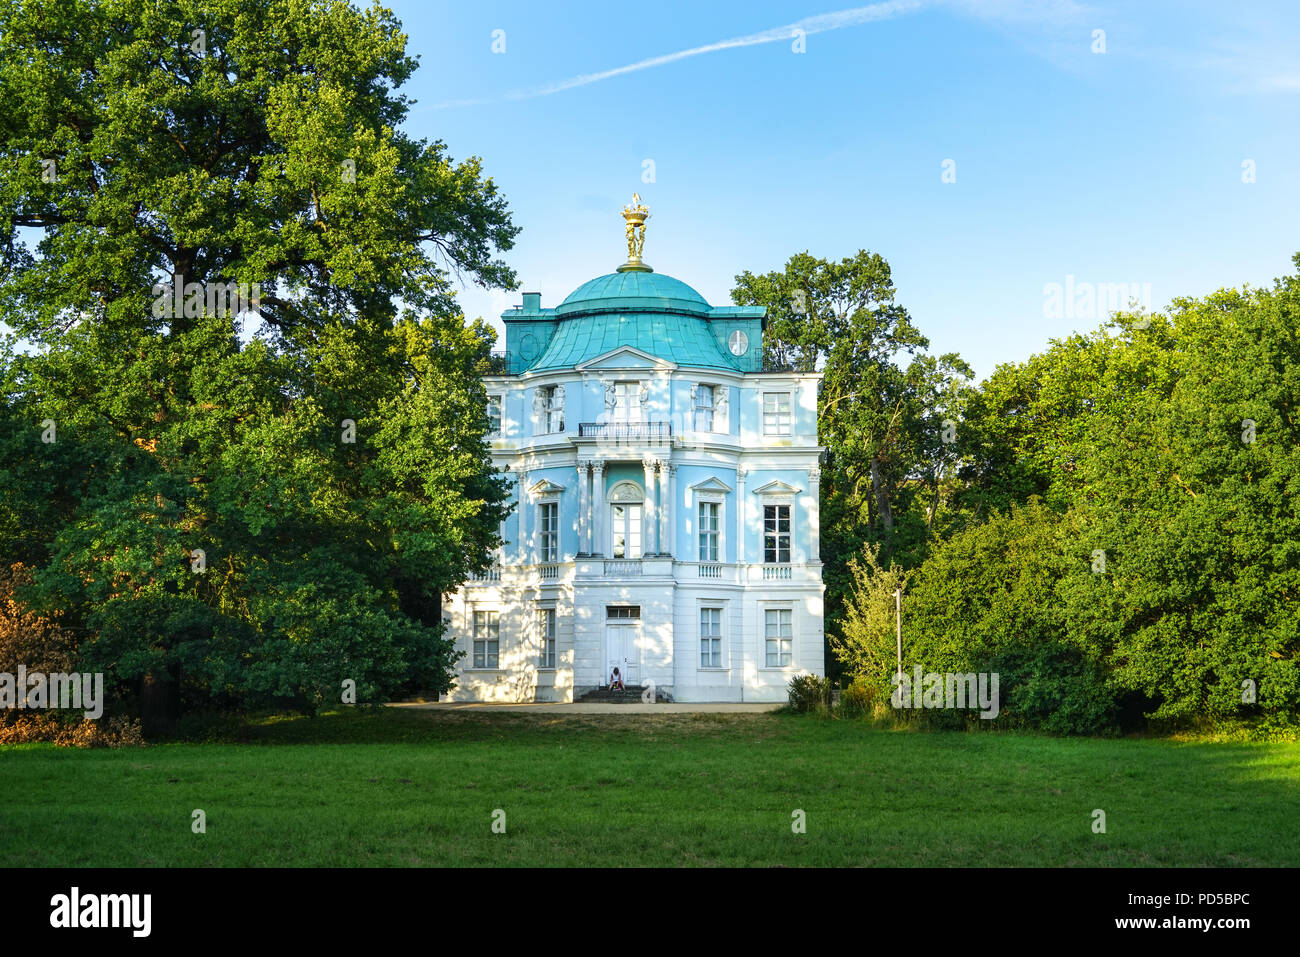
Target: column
[[665, 510], [598, 503], [671, 546], [814, 515], [649, 512], [740, 516], [743, 650], [587, 513], [584, 509]]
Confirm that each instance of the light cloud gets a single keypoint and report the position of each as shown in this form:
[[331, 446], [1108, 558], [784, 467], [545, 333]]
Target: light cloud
[[809, 25], [1289, 82]]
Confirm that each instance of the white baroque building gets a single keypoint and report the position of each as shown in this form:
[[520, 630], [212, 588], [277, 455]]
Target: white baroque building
[[666, 502]]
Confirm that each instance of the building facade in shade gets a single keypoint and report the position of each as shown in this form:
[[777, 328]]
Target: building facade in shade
[[666, 501]]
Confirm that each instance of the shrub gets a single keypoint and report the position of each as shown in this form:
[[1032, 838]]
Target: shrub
[[1054, 688], [856, 699], [864, 640], [810, 693], [38, 643], [33, 727]]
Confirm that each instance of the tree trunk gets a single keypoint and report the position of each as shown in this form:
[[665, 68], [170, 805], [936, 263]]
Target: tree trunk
[[882, 500], [934, 504], [158, 704]]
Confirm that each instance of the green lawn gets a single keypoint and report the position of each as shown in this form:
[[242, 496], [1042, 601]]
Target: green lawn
[[403, 787]]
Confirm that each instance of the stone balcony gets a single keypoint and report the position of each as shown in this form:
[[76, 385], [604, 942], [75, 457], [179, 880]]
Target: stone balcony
[[624, 437], [626, 431]]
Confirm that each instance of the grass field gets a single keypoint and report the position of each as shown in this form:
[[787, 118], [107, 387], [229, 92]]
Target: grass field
[[404, 787]]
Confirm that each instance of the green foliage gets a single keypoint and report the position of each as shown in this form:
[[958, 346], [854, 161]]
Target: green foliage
[[809, 693], [1054, 688], [867, 640], [888, 467], [1131, 556], [270, 155], [857, 700]]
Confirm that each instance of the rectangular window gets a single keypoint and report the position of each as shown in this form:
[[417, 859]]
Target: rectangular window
[[494, 415], [778, 632], [776, 534], [708, 531], [776, 413], [627, 401], [622, 612], [704, 408], [626, 530], [710, 637], [548, 528], [552, 407], [546, 636], [487, 639]]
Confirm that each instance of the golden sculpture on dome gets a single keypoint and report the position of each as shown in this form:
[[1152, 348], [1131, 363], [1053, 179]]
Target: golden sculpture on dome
[[636, 215]]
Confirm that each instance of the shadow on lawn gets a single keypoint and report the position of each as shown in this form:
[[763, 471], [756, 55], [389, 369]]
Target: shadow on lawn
[[381, 725]]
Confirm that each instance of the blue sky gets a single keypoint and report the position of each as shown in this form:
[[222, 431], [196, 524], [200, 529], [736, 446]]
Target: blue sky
[[1117, 167]]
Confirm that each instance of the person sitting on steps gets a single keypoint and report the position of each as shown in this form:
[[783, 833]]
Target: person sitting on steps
[[616, 681]]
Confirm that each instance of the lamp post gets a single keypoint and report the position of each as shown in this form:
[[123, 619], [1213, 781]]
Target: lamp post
[[898, 624]]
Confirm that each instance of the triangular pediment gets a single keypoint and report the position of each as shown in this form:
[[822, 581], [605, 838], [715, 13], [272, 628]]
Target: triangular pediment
[[545, 487], [626, 357], [711, 484], [776, 487]]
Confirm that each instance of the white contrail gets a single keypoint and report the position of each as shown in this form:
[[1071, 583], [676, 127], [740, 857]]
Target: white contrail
[[809, 25]]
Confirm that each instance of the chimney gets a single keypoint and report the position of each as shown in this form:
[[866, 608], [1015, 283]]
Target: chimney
[[532, 302]]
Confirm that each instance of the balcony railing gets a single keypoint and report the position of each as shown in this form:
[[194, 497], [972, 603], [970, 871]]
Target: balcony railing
[[625, 431], [594, 567]]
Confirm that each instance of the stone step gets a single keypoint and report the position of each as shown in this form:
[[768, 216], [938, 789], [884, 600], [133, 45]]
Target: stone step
[[629, 696]]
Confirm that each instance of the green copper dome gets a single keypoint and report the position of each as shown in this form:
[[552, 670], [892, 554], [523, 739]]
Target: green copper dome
[[648, 311], [633, 291]]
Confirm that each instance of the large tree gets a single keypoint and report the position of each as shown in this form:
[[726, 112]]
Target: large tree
[[1137, 552], [882, 408], [324, 451]]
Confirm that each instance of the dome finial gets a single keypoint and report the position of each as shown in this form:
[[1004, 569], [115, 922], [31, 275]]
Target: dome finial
[[636, 215]]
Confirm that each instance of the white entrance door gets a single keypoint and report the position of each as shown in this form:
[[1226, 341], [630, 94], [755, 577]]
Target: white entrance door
[[621, 652]]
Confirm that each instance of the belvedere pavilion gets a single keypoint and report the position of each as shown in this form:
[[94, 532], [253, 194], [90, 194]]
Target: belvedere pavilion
[[666, 501]]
